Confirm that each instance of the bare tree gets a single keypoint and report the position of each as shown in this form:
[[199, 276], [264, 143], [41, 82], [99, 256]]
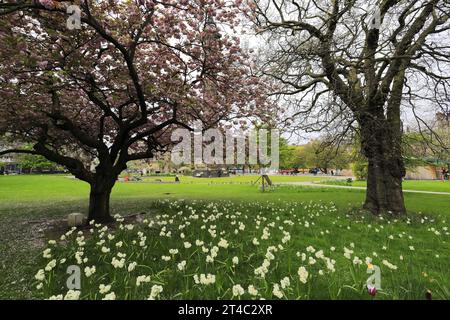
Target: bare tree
[[354, 65]]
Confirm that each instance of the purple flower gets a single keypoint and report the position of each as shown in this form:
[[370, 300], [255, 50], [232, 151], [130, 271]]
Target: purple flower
[[372, 290]]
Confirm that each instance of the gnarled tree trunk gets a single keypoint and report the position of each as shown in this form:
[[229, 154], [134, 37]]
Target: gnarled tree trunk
[[99, 200], [381, 144], [384, 187]]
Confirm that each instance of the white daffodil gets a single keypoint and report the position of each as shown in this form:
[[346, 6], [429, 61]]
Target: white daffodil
[[238, 290], [50, 265], [103, 289], [303, 274], [252, 290], [276, 291], [142, 279], [47, 253], [40, 275], [155, 292], [182, 265], [110, 296], [89, 271], [285, 282], [72, 295]]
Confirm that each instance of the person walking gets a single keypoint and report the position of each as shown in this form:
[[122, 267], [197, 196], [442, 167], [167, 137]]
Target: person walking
[[444, 174]]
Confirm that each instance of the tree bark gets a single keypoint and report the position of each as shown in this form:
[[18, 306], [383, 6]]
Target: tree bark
[[382, 146], [99, 201], [384, 188]]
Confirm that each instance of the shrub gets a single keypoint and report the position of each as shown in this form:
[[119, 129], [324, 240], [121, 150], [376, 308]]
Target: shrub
[[359, 169]]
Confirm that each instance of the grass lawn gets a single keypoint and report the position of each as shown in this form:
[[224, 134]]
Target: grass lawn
[[26, 202], [242, 179], [420, 185]]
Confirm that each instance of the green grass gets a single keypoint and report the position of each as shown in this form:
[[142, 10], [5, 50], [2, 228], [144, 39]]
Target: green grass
[[411, 257], [61, 188], [48, 191], [419, 185], [27, 202], [239, 179]]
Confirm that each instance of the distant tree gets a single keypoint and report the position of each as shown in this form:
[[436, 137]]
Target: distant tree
[[442, 129], [35, 162], [359, 168], [287, 155], [299, 160], [325, 156], [430, 145]]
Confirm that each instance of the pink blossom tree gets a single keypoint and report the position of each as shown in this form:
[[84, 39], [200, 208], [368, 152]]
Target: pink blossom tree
[[112, 90]]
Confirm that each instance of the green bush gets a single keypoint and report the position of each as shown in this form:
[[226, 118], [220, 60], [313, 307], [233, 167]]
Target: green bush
[[359, 169]]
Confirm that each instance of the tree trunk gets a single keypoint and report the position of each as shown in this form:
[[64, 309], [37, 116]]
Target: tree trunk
[[386, 168], [384, 188], [99, 202]]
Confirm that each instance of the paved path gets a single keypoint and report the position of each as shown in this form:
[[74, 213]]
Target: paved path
[[312, 184]]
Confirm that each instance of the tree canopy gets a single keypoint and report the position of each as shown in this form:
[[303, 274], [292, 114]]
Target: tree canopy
[[352, 66], [112, 90]]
